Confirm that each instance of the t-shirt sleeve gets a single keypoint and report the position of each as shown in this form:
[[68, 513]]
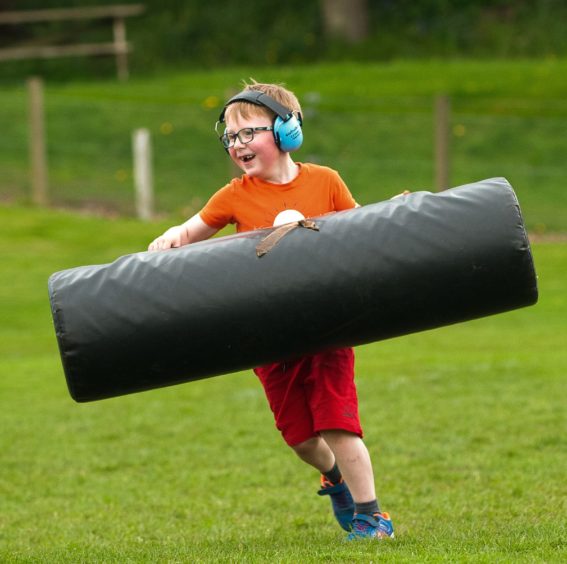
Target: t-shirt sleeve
[[342, 198], [218, 211]]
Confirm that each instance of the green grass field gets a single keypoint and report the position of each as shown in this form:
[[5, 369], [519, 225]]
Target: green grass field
[[372, 122], [466, 426]]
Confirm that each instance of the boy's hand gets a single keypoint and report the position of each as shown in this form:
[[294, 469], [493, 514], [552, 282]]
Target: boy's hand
[[172, 238], [192, 231]]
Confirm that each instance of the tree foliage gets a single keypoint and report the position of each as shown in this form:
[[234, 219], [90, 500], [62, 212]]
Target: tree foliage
[[210, 33]]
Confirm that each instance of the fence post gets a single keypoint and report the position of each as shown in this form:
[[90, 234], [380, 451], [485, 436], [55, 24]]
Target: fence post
[[37, 145], [120, 47], [143, 177], [442, 141]]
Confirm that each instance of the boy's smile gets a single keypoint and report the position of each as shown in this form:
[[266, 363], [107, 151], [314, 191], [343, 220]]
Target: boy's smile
[[246, 160]]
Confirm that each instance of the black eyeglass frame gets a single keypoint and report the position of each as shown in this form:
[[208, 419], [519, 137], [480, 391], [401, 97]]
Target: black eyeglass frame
[[228, 139]]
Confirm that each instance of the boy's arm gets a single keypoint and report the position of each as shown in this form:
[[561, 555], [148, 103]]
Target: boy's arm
[[192, 231]]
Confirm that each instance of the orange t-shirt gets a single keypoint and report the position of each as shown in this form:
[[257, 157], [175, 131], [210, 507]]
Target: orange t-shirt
[[252, 203]]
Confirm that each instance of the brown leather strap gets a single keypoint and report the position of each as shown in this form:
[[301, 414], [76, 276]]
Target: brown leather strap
[[271, 240]]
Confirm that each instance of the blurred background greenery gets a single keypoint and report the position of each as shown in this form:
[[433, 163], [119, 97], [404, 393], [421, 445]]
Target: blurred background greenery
[[197, 34], [367, 79]]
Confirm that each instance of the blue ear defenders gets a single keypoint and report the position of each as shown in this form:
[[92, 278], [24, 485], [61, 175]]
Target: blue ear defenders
[[287, 127]]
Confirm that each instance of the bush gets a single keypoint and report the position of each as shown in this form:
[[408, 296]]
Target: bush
[[193, 33]]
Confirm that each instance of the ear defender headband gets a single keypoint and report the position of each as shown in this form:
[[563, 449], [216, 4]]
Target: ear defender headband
[[287, 126]]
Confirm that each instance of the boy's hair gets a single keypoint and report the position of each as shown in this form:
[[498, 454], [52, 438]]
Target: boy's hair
[[276, 91]]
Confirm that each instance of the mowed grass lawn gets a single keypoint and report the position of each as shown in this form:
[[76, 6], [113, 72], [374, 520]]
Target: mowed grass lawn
[[466, 426]]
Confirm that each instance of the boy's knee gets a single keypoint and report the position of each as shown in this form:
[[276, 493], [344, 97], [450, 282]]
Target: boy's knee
[[338, 436], [305, 448]]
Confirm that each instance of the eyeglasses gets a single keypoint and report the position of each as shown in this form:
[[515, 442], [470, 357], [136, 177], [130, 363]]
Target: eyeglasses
[[245, 135]]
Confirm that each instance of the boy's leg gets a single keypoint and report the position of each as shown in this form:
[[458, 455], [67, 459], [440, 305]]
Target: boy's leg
[[353, 458], [285, 385], [316, 452], [354, 461]]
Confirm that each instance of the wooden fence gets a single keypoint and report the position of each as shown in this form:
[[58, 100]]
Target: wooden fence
[[142, 154], [119, 47]]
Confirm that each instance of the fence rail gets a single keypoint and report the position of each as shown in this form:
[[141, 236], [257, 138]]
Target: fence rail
[[119, 47]]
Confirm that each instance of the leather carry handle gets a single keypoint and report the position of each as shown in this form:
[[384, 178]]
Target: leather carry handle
[[271, 240]]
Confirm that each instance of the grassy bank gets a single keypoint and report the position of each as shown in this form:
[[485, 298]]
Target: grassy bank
[[374, 123]]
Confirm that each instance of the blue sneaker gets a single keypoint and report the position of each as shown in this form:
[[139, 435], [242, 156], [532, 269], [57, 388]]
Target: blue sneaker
[[378, 526], [343, 505]]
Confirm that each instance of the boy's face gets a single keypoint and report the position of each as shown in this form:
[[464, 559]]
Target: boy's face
[[260, 157]]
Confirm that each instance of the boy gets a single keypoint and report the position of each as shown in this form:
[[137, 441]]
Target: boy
[[313, 398]]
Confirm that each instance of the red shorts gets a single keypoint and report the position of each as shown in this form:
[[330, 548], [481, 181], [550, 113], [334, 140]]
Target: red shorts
[[312, 394]]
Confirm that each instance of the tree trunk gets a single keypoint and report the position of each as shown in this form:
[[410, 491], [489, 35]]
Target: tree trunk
[[345, 19]]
